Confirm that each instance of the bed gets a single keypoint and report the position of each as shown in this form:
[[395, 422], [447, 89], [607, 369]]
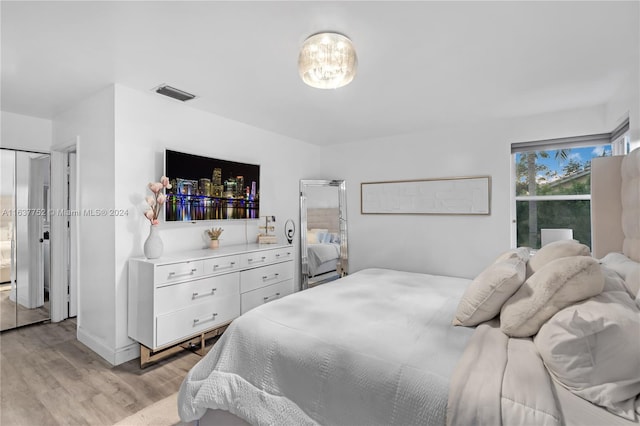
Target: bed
[[323, 242], [323, 258], [549, 339]]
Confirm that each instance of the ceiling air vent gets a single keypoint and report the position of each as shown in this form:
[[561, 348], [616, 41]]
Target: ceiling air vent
[[174, 93]]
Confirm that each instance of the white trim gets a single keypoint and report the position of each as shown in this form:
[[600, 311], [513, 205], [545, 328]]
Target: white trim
[[58, 235], [513, 221], [127, 353], [553, 197], [96, 345], [113, 357]]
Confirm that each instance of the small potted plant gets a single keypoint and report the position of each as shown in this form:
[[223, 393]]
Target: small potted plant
[[214, 234]]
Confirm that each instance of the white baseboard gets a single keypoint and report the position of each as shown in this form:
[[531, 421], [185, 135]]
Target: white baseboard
[[127, 353], [113, 357]]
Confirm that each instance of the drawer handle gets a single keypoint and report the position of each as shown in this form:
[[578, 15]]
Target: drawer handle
[[173, 273], [230, 266], [280, 254], [209, 318], [262, 259], [268, 298], [266, 278], [211, 293]]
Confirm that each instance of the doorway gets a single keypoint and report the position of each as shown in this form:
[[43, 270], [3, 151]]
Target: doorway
[[64, 222]]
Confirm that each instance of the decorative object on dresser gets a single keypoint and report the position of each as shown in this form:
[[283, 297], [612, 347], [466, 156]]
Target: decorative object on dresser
[[289, 230], [214, 235], [153, 245], [266, 237], [188, 297]]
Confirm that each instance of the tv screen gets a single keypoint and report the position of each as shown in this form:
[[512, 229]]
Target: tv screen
[[204, 188]]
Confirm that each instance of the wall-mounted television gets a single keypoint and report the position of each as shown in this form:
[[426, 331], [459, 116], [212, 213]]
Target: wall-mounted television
[[205, 188]]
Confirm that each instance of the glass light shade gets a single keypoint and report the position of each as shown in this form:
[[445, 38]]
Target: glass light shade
[[327, 61]]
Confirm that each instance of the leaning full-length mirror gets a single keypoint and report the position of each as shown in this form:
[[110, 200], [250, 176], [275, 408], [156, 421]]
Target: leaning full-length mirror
[[323, 231], [24, 238]]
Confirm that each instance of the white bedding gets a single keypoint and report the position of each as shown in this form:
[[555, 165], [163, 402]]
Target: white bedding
[[321, 255], [376, 347]]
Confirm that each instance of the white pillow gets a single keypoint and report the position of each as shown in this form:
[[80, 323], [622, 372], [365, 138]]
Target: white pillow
[[553, 251], [593, 349], [556, 285], [312, 237], [612, 281], [628, 269], [516, 253], [633, 279], [487, 293], [313, 234]]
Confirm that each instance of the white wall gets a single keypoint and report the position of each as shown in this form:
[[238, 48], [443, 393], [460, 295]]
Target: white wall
[[92, 123], [626, 103], [122, 136], [23, 132], [450, 245], [146, 124]]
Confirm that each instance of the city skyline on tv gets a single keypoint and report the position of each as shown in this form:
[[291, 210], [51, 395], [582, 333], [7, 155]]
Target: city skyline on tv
[[206, 188]]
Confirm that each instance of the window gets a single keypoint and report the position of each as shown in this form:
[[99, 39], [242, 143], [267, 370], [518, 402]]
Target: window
[[552, 184]]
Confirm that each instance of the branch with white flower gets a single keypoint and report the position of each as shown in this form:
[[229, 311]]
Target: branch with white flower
[[156, 200]]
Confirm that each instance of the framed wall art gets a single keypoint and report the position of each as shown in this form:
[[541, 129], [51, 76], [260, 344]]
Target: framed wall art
[[451, 196]]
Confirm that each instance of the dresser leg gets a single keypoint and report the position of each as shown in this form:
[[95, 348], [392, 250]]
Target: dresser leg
[[145, 356], [149, 356]]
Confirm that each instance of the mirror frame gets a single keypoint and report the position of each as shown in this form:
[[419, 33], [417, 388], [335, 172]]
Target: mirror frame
[[343, 261]]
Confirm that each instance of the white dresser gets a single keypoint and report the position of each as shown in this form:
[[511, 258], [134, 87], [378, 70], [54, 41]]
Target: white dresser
[[181, 296]]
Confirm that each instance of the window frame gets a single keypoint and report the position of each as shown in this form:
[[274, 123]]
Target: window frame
[[619, 139]]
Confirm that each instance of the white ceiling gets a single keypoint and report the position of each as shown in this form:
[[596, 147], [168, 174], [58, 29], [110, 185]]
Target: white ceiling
[[421, 64]]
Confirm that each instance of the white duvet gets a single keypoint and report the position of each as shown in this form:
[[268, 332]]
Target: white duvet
[[374, 348]]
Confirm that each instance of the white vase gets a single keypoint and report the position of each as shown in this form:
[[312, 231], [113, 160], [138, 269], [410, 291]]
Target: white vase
[[153, 246]]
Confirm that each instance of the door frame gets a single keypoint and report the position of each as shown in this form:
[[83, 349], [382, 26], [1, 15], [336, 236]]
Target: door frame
[[61, 244]]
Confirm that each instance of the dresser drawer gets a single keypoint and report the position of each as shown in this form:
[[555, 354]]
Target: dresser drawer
[[196, 319], [283, 254], [255, 298], [259, 277], [176, 272], [221, 264], [182, 295], [258, 258]]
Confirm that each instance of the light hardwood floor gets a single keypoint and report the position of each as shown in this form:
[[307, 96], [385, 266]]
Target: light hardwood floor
[[8, 318], [47, 377]]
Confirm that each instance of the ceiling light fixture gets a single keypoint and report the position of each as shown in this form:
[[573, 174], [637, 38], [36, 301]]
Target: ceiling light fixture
[[327, 61]]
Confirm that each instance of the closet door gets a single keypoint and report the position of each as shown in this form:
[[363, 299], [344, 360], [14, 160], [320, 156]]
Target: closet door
[[24, 238]]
